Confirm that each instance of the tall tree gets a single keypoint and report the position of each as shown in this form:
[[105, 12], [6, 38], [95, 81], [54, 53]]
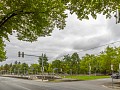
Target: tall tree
[[24, 68], [75, 60], [84, 64], [35, 68], [67, 64], [58, 65]]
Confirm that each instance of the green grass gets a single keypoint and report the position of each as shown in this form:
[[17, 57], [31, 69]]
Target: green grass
[[86, 77]]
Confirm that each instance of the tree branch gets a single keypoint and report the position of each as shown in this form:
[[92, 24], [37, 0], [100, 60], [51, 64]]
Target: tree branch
[[7, 17], [14, 13]]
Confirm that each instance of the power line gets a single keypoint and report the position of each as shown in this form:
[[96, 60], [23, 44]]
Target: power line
[[96, 47], [99, 46]]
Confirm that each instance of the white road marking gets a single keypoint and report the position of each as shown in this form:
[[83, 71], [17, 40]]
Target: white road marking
[[22, 87]]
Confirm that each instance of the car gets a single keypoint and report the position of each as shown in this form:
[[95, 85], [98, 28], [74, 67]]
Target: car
[[115, 76]]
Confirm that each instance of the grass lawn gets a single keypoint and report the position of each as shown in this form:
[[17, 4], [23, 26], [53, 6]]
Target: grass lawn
[[78, 77]]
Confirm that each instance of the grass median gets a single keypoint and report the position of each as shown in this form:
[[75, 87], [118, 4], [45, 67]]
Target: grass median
[[79, 77]]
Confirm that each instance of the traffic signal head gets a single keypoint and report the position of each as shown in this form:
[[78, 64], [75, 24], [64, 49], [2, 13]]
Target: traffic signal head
[[23, 54], [19, 54]]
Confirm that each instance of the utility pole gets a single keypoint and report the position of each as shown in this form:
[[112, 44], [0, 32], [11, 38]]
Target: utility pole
[[42, 67], [22, 54]]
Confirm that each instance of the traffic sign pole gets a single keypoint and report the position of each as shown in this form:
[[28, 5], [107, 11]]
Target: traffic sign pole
[[112, 74]]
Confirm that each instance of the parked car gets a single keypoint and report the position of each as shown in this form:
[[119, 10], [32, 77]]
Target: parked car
[[115, 76]]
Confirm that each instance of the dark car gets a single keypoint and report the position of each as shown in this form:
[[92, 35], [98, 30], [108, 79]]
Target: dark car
[[115, 76]]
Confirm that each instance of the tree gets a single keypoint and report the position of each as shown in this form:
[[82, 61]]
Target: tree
[[71, 64], [109, 56], [35, 68], [6, 67], [84, 64], [24, 68], [84, 8], [50, 70], [57, 64], [2, 50], [75, 60], [67, 64]]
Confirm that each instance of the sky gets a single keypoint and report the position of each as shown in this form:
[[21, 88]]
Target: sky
[[77, 36]]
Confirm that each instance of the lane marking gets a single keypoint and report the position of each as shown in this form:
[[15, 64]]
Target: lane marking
[[22, 87], [104, 86]]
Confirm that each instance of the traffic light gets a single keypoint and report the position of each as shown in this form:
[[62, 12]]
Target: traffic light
[[23, 54], [19, 54]]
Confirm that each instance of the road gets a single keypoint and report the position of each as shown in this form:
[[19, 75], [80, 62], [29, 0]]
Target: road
[[22, 84]]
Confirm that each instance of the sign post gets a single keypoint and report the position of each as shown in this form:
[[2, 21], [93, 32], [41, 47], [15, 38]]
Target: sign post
[[112, 74]]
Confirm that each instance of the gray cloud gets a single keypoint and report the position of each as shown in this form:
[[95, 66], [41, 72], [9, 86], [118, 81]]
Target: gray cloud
[[90, 42], [113, 28], [77, 35]]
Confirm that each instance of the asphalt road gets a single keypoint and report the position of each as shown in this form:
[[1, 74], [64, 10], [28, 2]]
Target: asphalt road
[[22, 84]]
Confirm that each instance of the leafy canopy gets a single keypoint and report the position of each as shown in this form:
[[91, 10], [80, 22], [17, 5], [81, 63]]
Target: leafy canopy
[[34, 18], [31, 18], [2, 52]]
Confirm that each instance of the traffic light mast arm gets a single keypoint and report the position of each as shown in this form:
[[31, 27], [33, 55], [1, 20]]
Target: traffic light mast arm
[[23, 54], [31, 55]]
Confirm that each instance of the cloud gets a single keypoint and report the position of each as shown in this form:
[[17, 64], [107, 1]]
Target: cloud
[[88, 42], [76, 36]]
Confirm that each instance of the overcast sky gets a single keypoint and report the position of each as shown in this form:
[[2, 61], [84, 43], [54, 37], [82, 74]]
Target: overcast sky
[[76, 36]]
